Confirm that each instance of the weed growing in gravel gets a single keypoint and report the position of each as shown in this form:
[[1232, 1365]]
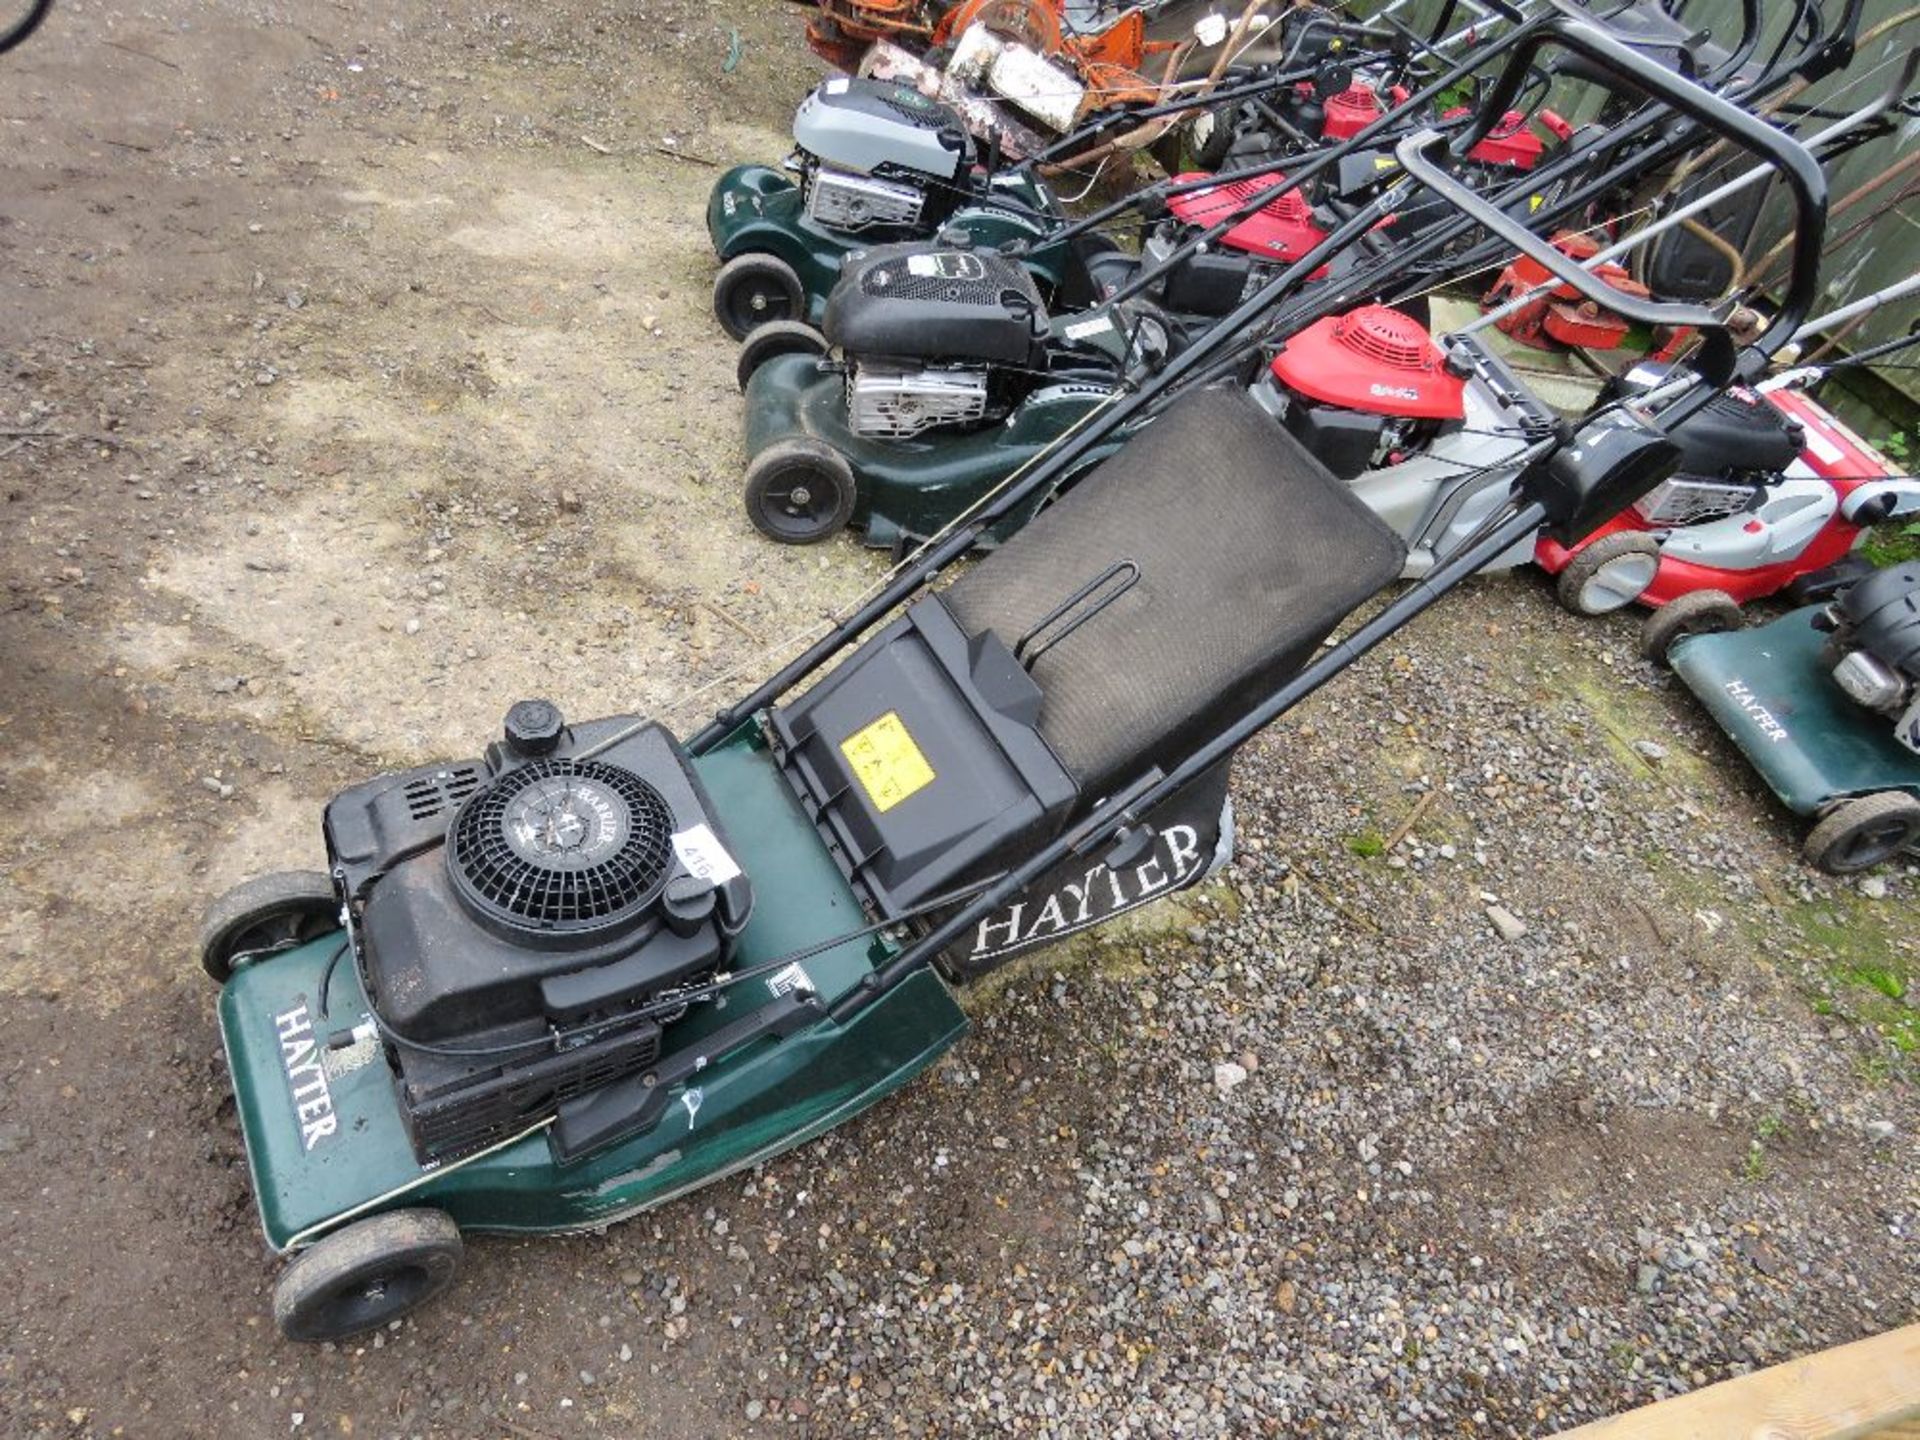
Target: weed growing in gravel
[[1368, 844]]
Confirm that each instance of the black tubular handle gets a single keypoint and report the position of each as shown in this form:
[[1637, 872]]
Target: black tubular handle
[[1802, 173], [1416, 155]]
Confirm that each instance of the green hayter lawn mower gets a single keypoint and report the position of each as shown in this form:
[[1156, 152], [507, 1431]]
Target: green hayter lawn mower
[[595, 967]]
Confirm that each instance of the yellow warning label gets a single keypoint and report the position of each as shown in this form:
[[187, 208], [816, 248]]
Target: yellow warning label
[[888, 765]]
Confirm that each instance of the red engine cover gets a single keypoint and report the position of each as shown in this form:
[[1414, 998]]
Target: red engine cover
[[1510, 143], [1283, 230], [1349, 112], [1372, 359]]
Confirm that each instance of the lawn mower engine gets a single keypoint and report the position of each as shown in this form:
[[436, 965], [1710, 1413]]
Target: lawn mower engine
[[940, 337], [1873, 646], [523, 922], [1214, 279], [1363, 390], [1733, 454], [874, 155]]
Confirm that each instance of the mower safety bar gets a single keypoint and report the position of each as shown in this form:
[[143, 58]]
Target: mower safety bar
[[1802, 173]]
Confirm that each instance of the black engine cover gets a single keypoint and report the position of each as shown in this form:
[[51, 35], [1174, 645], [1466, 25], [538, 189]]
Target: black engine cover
[[1881, 615], [537, 888], [1737, 431], [925, 301]]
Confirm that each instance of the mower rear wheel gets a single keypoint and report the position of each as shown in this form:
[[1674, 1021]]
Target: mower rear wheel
[[752, 290], [372, 1272], [776, 337], [1699, 612], [1610, 574], [1859, 834], [800, 492], [264, 916]]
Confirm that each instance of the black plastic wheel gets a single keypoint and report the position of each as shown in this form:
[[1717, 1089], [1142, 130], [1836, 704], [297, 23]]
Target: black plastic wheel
[[776, 337], [264, 916], [1207, 137], [373, 1271], [800, 492], [1610, 574], [1859, 834], [1700, 612], [752, 290]]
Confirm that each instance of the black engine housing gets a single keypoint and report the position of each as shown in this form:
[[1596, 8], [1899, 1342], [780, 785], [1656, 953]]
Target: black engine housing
[[930, 301], [1880, 615], [538, 889]]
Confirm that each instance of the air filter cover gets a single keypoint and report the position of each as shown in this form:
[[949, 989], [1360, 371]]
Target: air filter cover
[[562, 845], [1375, 360]]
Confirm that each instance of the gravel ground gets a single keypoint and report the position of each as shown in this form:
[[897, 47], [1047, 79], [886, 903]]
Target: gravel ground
[[375, 398]]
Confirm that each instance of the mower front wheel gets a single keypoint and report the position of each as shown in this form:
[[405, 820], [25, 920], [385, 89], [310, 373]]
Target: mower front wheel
[[752, 290], [1610, 574], [800, 492], [264, 916], [1859, 834], [1699, 612], [372, 1272], [776, 337]]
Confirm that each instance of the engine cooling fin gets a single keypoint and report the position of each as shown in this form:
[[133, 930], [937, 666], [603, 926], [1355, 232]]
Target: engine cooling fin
[[562, 845]]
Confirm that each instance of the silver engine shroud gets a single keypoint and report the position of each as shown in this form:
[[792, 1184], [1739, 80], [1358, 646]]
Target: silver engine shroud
[[842, 201], [893, 402], [1870, 683], [861, 142]]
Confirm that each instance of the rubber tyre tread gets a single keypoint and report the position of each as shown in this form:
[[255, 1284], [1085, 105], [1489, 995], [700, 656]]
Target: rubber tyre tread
[[253, 901]]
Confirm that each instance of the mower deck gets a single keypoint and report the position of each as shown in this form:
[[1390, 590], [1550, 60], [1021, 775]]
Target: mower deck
[[324, 1133], [1812, 745], [914, 487]]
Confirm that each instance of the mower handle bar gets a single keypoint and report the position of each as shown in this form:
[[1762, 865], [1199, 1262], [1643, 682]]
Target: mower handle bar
[[1802, 173], [1416, 156], [1840, 129]]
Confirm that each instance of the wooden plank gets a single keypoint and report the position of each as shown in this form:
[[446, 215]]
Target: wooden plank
[[1851, 1392]]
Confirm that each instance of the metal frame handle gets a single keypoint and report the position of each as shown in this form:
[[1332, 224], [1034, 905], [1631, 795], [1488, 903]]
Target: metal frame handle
[[1802, 173]]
